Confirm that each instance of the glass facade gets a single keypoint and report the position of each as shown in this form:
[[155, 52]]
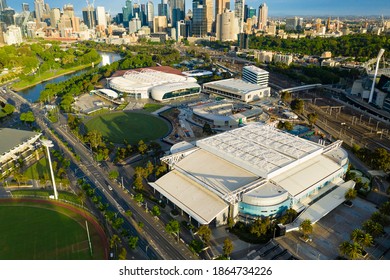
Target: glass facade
[[264, 211], [181, 92]]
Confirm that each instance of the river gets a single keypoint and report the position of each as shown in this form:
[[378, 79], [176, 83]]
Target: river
[[32, 93]]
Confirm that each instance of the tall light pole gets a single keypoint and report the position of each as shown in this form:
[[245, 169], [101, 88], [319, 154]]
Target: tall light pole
[[376, 73], [48, 144]]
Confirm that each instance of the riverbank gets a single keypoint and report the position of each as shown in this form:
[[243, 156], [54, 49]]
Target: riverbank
[[22, 85]]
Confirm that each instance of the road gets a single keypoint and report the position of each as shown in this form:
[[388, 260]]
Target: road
[[155, 242]]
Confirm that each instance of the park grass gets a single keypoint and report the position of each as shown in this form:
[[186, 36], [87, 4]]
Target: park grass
[[39, 170], [129, 126], [151, 107], [32, 231], [46, 193]]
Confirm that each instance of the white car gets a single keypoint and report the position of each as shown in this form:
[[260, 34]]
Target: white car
[[109, 187]]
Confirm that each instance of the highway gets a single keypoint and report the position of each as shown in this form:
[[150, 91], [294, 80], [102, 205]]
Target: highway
[[154, 241]]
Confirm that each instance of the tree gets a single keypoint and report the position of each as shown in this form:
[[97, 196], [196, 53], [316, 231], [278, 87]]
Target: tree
[[381, 159], [149, 169], [362, 238], [122, 255], [288, 126], [95, 138], [139, 198], [312, 117], [115, 241], [260, 226], [306, 228], [133, 242], [230, 222], [227, 247], [8, 109], [297, 105], [205, 233], [385, 208], [351, 250], [156, 211], [373, 228], [27, 117], [207, 129], [286, 96], [350, 194], [173, 227], [113, 174], [117, 223], [142, 147], [138, 183]]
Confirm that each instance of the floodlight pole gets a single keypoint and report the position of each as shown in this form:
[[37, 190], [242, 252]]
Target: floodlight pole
[[47, 144], [376, 73]]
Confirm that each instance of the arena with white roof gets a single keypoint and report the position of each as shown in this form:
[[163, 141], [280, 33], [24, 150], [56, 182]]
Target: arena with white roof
[[159, 85], [252, 171]]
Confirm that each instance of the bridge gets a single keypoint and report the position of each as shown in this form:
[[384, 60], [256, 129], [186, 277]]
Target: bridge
[[300, 88]]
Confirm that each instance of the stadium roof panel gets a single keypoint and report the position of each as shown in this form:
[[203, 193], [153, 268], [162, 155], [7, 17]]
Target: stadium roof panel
[[260, 149], [11, 138]]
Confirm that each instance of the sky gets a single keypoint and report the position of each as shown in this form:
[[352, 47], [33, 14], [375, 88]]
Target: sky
[[275, 7]]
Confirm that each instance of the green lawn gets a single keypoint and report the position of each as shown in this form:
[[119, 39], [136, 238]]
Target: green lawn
[[131, 126], [38, 170], [151, 107], [32, 231]]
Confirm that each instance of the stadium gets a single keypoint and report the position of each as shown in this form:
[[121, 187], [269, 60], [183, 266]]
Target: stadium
[[254, 171], [160, 83]]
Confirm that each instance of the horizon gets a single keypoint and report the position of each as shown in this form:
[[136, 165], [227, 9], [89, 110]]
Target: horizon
[[276, 8]]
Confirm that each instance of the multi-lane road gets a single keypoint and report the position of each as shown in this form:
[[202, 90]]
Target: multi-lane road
[[154, 241]]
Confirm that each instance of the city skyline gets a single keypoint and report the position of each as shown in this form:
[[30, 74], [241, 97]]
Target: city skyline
[[276, 7]]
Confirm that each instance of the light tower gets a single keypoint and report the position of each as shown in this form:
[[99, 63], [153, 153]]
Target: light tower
[[376, 73], [48, 144]]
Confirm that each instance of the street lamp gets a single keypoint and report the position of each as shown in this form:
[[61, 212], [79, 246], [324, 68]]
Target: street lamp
[[48, 144]]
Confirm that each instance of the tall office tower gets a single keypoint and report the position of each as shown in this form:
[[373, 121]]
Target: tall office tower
[[177, 8], [101, 17], [163, 8], [89, 16], [328, 24], [239, 12], [318, 24], [251, 12], [55, 15], [208, 4], [184, 29], [199, 20], [255, 75], [300, 24], [150, 13], [220, 6], [13, 36], [142, 15], [69, 10], [25, 7], [127, 12], [135, 24], [160, 24], [39, 9], [2, 29], [227, 26], [136, 9], [263, 16], [3, 5], [291, 24], [8, 16]]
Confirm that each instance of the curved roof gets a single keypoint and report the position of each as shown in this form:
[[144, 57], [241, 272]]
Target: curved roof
[[158, 92], [109, 93]]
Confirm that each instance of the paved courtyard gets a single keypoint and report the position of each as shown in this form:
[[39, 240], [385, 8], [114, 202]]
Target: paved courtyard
[[330, 231]]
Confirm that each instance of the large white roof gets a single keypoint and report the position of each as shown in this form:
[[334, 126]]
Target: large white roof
[[236, 86], [260, 149], [193, 198]]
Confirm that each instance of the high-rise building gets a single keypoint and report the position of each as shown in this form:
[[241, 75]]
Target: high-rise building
[[220, 6], [251, 12], [135, 24], [227, 26], [39, 9], [263, 17], [209, 6], [7, 16], [160, 24], [142, 15], [13, 36], [199, 20], [127, 12], [101, 17], [163, 8], [89, 16], [69, 10], [25, 7], [291, 24], [150, 13], [177, 8], [3, 5], [239, 13], [55, 15], [255, 75]]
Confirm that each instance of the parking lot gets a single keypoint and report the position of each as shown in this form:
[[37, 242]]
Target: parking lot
[[330, 232]]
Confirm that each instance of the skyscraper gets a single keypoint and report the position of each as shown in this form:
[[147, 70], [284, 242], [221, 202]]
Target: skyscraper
[[55, 15], [150, 13], [163, 8], [177, 11], [3, 5], [239, 12], [227, 26], [89, 16], [25, 7], [128, 13], [101, 17], [208, 4], [39, 9], [199, 21], [220, 6], [263, 16]]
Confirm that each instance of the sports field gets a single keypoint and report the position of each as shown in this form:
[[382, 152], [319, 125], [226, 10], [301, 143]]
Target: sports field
[[129, 126], [44, 231]]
